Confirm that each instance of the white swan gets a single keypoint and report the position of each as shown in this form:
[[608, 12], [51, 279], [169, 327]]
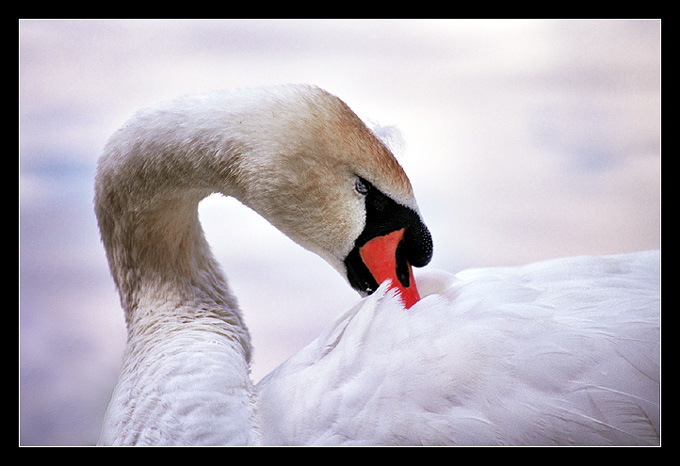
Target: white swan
[[557, 353]]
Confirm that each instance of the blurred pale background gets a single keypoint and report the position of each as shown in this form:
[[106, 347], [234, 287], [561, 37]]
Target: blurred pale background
[[524, 140]]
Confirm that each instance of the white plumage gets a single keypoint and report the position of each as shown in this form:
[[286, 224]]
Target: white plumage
[[563, 352], [559, 352]]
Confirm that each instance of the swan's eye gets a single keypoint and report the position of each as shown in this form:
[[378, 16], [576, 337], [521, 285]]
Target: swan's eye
[[361, 186]]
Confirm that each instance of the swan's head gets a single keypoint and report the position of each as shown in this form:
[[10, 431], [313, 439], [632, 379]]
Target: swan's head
[[318, 174]]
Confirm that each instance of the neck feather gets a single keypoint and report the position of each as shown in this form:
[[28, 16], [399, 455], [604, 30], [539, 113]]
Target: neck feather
[[185, 377], [152, 176]]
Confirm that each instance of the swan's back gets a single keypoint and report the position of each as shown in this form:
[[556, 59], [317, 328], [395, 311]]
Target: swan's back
[[559, 352]]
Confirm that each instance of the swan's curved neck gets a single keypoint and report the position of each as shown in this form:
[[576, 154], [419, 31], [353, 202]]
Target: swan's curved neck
[[153, 174], [183, 322], [157, 252]]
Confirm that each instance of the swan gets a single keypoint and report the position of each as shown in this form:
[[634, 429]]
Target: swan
[[563, 352]]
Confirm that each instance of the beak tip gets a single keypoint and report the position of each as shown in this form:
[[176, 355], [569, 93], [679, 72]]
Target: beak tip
[[410, 294], [410, 299]]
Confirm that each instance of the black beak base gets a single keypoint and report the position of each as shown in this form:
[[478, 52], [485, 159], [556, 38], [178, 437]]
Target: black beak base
[[383, 216]]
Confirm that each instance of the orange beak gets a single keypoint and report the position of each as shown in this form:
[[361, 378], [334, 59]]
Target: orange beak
[[381, 257]]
